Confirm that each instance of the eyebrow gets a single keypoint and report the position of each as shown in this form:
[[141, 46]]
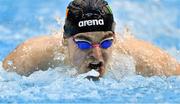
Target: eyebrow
[[83, 37], [107, 36], [89, 39]]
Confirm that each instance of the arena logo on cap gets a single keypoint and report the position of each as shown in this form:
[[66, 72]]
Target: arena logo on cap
[[91, 22]]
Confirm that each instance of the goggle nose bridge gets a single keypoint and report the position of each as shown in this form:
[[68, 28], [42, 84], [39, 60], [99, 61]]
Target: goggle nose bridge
[[95, 45]]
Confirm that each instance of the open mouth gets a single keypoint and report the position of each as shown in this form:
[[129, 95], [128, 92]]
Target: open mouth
[[95, 65]]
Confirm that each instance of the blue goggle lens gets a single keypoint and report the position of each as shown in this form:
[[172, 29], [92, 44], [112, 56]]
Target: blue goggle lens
[[106, 44], [83, 45]]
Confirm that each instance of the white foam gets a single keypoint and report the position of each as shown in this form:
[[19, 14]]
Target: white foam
[[92, 73]]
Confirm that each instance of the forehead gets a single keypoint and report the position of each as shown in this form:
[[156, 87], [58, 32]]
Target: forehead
[[94, 35]]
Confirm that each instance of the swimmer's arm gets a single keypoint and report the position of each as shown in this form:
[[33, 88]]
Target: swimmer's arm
[[34, 54], [150, 60]]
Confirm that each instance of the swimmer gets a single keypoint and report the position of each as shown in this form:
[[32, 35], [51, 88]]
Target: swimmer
[[88, 42]]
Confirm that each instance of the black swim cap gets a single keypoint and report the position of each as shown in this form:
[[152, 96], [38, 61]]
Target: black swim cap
[[88, 16]]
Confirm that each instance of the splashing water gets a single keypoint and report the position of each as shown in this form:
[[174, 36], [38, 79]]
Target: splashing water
[[59, 85], [151, 20]]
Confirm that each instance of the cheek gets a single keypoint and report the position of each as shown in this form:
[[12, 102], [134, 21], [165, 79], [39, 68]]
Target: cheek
[[72, 49], [107, 55], [76, 56], [79, 57]]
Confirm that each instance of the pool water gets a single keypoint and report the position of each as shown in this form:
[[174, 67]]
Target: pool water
[[155, 21], [54, 87]]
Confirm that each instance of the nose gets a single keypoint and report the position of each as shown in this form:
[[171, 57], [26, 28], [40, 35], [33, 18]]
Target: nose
[[97, 53]]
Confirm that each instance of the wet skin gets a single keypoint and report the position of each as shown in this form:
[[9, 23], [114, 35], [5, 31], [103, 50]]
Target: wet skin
[[94, 58], [40, 54]]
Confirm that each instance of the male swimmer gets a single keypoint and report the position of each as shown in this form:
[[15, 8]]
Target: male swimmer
[[89, 39]]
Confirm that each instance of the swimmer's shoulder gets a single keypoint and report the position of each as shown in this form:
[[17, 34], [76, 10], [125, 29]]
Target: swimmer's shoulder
[[33, 53]]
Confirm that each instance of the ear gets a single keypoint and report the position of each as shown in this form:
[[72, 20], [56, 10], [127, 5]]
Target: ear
[[65, 42]]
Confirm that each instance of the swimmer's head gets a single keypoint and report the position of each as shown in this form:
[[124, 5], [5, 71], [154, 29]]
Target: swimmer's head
[[88, 16], [89, 35]]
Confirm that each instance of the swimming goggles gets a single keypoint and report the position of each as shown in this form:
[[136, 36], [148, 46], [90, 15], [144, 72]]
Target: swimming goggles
[[85, 44]]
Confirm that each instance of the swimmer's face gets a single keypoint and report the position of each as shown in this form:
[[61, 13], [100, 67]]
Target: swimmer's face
[[97, 57]]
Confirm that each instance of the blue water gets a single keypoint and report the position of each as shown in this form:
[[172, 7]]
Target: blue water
[[156, 21]]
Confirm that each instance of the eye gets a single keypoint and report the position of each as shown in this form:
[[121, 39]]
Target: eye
[[106, 43], [83, 44]]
